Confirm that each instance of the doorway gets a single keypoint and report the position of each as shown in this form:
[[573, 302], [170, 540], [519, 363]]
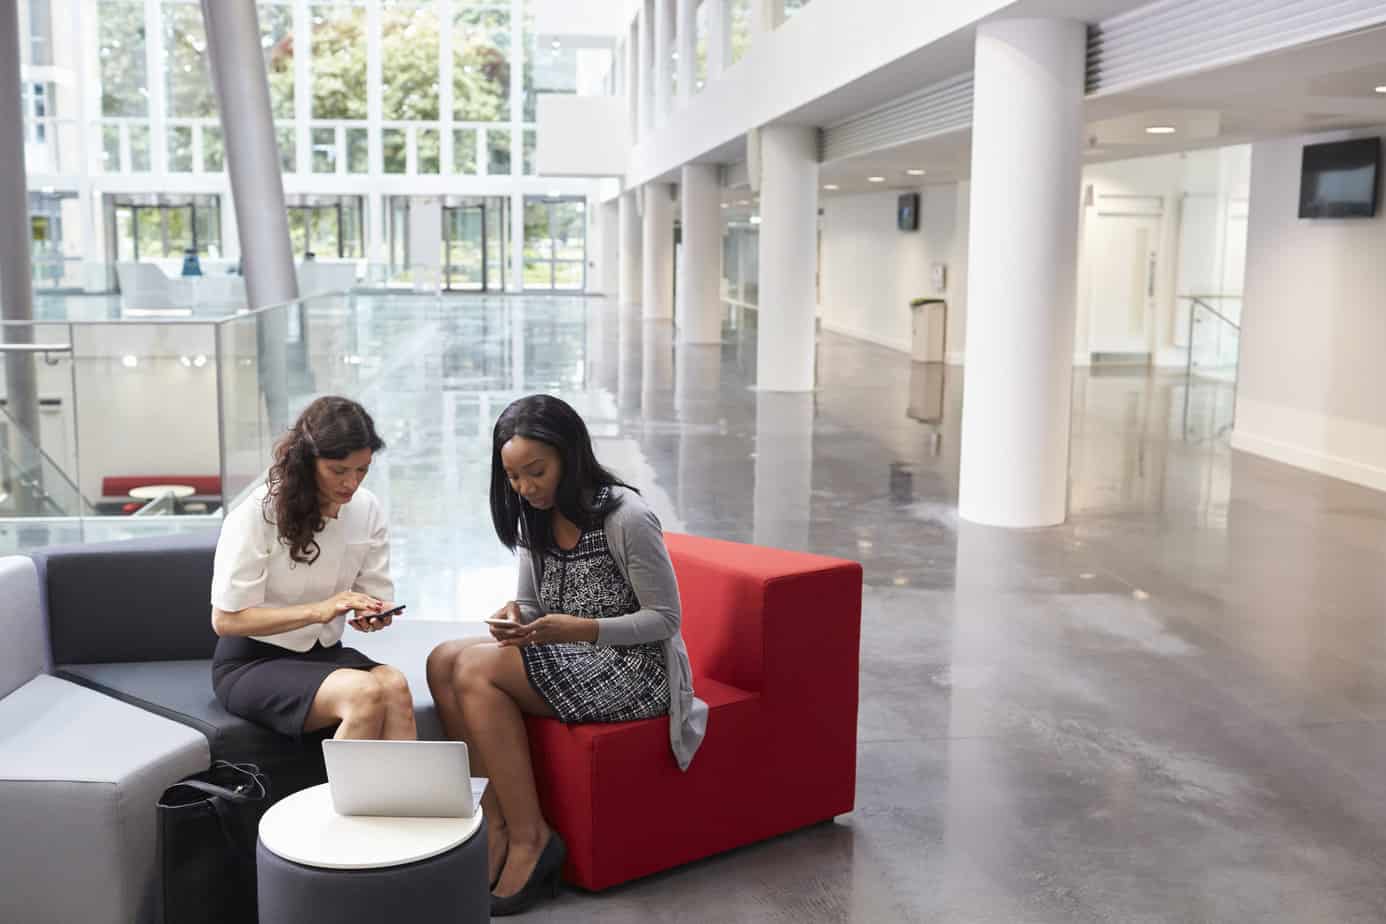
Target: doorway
[[476, 243], [555, 243], [1123, 280]]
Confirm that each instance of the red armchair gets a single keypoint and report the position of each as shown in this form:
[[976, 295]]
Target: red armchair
[[774, 638]]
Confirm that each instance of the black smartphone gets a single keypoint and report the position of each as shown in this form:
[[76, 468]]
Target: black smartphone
[[391, 612]]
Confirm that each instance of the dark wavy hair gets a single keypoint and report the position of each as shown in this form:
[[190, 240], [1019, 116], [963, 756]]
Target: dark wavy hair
[[551, 421], [329, 428]]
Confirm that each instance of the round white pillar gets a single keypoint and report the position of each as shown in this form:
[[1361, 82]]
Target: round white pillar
[[657, 292], [788, 258], [700, 258], [628, 217], [1027, 128]]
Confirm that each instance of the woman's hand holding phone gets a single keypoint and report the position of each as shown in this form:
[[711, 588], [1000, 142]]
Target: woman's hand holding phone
[[506, 623]]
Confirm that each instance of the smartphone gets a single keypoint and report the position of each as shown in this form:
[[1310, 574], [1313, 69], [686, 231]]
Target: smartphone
[[505, 624], [391, 612]]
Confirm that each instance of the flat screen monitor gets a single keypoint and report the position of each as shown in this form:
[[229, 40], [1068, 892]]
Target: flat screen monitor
[[907, 212], [1338, 179]]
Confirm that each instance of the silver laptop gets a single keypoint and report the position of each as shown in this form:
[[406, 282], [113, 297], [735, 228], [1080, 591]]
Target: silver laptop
[[417, 779]]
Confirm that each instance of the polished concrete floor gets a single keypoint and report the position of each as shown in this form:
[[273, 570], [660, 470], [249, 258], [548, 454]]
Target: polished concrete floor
[[1169, 709]]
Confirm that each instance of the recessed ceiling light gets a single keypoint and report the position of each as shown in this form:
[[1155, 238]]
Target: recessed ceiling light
[[755, 219], [557, 44], [875, 179], [724, 205], [1160, 130], [830, 187], [915, 172], [1381, 89]]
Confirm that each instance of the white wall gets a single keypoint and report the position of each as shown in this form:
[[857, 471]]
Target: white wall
[[1312, 374], [871, 270], [581, 136]]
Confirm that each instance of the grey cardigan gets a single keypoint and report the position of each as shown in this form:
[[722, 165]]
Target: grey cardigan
[[636, 541]]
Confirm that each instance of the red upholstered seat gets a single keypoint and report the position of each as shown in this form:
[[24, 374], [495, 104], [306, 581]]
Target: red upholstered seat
[[773, 637], [122, 485]]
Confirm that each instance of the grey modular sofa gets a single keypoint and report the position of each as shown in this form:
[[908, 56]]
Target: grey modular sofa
[[79, 776], [106, 699]]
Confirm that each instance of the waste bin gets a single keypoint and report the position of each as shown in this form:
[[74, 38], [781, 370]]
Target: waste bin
[[930, 330]]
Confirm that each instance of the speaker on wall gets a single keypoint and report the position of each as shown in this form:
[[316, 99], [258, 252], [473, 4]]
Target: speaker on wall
[[907, 212]]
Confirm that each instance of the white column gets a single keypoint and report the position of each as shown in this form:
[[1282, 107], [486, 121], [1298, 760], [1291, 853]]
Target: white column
[[718, 39], [609, 226], [257, 186], [784, 470], [657, 290], [517, 234], [156, 87], [700, 270], [1027, 129], [303, 89], [643, 73], [628, 217], [426, 242], [252, 154], [663, 58], [16, 281], [788, 258], [633, 80], [687, 40], [765, 17]]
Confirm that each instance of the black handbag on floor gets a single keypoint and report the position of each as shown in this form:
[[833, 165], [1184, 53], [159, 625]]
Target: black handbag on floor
[[207, 826]]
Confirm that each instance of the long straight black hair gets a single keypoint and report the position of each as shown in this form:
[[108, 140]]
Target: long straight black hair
[[551, 421]]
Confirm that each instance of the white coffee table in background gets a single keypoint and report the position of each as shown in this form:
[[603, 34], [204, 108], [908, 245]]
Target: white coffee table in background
[[149, 492]]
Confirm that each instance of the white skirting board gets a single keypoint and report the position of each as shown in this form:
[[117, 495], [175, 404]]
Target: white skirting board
[[1345, 449], [869, 337]]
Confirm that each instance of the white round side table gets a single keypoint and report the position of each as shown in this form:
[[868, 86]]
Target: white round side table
[[313, 864]]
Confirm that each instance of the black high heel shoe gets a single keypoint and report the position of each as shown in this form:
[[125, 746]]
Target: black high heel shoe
[[543, 882]]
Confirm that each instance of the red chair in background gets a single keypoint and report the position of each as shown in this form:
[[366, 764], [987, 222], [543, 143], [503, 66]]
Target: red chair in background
[[774, 638]]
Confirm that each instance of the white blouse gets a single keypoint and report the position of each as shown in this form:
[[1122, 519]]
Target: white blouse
[[253, 568]]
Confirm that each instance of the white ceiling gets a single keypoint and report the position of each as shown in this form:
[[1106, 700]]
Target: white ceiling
[[1313, 88]]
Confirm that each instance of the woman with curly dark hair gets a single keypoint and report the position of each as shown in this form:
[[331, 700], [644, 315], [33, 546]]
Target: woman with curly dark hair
[[306, 554]]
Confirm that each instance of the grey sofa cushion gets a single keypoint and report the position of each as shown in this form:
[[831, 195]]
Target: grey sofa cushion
[[80, 774], [182, 691], [24, 652], [139, 600]]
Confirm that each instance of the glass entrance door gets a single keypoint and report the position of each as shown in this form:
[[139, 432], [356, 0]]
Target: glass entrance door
[[464, 242], [556, 243]]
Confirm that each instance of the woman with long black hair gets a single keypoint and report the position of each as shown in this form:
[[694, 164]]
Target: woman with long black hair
[[591, 636], [302, 557]]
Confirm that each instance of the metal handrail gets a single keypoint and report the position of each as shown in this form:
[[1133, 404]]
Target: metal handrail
[[1198, 300], [36, 347]]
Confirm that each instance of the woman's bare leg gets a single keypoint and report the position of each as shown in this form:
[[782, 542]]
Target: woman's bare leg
[[352, 697], [495, 698], [399, 722], [442, 683]]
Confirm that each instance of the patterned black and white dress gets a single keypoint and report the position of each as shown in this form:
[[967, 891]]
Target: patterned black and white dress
[[583, 681]]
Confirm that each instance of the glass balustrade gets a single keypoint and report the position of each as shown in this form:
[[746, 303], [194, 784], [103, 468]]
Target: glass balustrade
[[171, 418]]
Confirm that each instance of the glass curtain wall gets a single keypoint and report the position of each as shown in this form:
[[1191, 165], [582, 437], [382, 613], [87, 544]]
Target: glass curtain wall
[[555, 243], [164, 227], [476, 243], [328, 227], [484, 128]]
